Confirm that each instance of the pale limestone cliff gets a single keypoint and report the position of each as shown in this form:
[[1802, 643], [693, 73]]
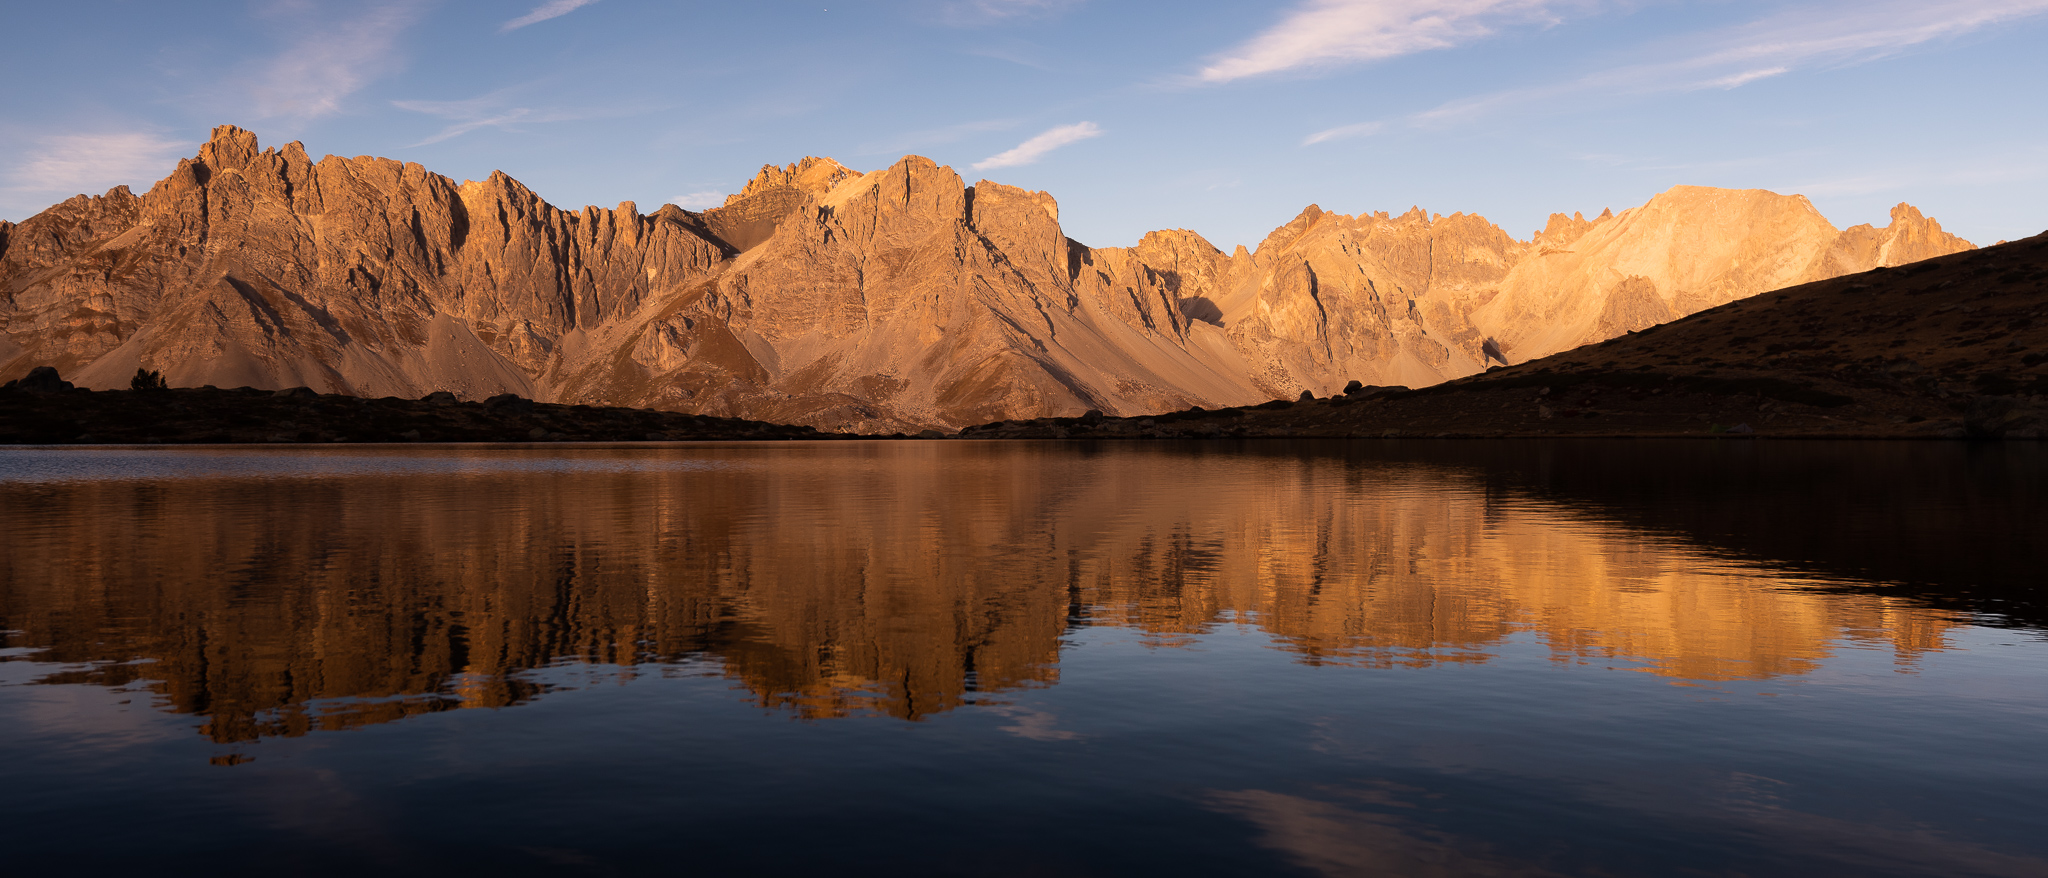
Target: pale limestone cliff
[[897, 299], [1690, 248]]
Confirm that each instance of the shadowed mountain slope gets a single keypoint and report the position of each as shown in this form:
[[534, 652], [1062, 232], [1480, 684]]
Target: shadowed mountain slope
[[893, 300], [1950, 347]]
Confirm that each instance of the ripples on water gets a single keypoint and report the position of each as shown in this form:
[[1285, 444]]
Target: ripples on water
[[1008, 658]]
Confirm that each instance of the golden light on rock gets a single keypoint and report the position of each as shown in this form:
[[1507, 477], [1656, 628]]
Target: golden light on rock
[[896, 300]]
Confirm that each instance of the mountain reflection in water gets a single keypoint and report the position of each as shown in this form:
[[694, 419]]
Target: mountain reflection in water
[[278, 592]]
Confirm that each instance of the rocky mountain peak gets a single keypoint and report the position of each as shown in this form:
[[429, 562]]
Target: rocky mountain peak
[[1912, 237], [1288, 233], [1041, 199], [1688, 249], [230, 148], [813, 175], [1562, 230], [893, 300]]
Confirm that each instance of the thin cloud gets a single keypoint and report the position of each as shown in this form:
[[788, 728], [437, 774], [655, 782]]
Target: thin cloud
[[1983, 170], [330, 60], [73, 163], [543, 12], [1856, 33], [971, 13], [1830, 37], [698, 200], [494, 110], [1034, 149], [1344, 132], [1746, 77], [1328, 33], [516, 114]]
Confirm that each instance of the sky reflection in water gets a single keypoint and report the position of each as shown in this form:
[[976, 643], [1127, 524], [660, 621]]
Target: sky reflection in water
[[1006, 658]]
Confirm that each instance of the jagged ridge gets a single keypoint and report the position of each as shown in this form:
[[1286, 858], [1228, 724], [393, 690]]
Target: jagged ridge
[[893, 300]]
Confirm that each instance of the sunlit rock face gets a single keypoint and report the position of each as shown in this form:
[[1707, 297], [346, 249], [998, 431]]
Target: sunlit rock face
[[899, 581], [898, 299], [1691, 248]]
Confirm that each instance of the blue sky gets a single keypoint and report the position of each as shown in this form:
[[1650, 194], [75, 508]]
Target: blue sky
[[1225, 118]]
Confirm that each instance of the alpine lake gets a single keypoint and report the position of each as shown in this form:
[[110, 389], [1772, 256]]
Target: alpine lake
[[1260, 657]]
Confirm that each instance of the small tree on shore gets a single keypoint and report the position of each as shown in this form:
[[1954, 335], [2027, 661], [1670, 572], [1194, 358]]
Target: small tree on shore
[[147, 379]]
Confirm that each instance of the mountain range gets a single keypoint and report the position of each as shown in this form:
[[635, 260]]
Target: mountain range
[[899, 299]]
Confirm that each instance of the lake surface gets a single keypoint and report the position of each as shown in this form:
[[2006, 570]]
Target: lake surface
[[1284, 658]]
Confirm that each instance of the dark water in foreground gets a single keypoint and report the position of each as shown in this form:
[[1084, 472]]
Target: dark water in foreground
[[1377, 658]]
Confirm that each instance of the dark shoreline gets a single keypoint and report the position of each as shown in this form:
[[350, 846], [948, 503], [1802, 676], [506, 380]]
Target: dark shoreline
[[1954, 347], [212, 416], [1950, 348]]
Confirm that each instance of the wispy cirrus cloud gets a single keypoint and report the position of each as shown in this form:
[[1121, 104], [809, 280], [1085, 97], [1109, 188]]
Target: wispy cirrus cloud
[[543, 12], [68, 164], [1738, 80], [1331, 33], [1853, 33], [1344, 132], [1034, 149], [1982, 170], [1829, 36], [498, 109], [328, 59], [971, 13], [464, 124]]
